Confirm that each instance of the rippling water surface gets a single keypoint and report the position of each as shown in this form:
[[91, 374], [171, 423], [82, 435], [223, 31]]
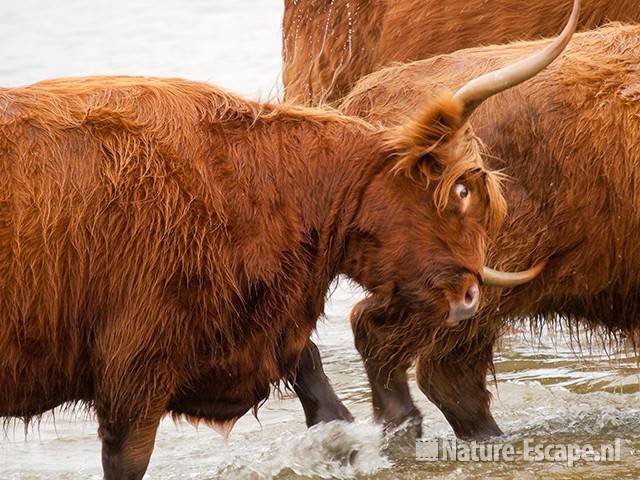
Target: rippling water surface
[[544, 390]]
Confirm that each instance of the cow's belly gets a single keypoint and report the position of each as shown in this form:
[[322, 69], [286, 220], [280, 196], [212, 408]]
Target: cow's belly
[[219, 400], [37, 387], [240, 380], [616, 308], [259, 346]]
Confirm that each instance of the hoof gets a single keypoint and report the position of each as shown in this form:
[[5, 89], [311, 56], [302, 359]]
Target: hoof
[[479, 432], [408, 425], [335, 413]]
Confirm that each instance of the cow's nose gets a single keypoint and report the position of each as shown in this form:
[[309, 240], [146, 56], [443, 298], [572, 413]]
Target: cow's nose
[[466, 308]]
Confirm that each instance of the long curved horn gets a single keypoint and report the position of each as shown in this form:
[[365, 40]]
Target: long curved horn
[[496, 278], [479, 89]]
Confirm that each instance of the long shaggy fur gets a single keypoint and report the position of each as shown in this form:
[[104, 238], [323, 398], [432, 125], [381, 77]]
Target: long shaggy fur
[[436, 146], [166, 246], [329, 45], [138, 223], [569, 144]]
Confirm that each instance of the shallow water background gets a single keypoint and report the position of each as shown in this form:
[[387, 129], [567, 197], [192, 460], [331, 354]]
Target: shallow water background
[[545, 391]]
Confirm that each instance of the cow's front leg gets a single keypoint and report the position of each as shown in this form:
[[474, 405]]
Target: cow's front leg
[[319, 401], [457, 385], [392, 402]]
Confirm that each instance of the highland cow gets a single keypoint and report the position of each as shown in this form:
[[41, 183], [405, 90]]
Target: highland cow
[[166, 247], [329, 45], [569, 144]]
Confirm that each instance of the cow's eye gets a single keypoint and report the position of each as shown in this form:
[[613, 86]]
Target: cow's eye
[[461, 190]]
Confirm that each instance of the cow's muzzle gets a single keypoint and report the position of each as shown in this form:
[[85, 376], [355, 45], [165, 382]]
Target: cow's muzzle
[[466, 307]]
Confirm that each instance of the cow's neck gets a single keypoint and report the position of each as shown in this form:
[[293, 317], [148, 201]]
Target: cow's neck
[[349, 166]]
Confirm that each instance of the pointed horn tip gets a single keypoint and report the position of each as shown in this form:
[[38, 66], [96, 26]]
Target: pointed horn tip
[[477, 90], [499, 279]]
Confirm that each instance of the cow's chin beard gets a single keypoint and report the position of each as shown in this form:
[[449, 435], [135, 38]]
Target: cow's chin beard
[[414, 308], [425, 310], [433, 312], [403, 326], [421, 323]]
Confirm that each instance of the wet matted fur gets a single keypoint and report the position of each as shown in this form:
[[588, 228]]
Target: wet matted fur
[[166, 246], [568, 143], [328, 45]]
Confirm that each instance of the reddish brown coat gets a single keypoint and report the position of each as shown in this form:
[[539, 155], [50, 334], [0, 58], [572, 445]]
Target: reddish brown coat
[[330, 44], [569, 143], [166, 246]]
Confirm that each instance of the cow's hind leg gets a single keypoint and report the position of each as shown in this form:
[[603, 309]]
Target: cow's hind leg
[[132, 395], [127, 445], [457, 385], [319, 401], [392, 402]]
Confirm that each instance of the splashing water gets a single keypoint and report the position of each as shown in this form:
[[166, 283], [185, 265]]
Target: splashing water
[[334, 450]]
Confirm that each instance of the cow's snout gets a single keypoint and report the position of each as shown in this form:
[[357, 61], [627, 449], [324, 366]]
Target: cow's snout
[[465, 307]]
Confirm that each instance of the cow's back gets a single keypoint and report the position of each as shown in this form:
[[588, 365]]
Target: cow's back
[[328, 46], [80, 158]]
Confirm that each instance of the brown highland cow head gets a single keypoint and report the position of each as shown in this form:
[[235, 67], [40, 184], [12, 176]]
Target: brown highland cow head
[[421, 237]]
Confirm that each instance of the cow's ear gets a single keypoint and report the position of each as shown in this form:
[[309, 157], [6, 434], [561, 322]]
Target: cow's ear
[[419, 144]]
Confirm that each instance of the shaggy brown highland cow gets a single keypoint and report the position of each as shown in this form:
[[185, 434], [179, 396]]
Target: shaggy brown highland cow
[[328, 45], [568, 142], [166, 247]]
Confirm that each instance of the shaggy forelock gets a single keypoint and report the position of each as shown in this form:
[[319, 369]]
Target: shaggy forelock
[[437, 146]]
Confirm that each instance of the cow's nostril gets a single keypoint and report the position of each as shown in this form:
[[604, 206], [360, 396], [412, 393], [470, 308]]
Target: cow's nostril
[[471, 297], [465, 307]]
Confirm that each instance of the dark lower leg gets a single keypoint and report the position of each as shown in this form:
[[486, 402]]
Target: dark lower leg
[[457, 385], [392, 402], [127, 447], [319, 401]]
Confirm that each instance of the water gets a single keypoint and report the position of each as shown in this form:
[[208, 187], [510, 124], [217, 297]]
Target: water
[[233, 43], [545, 391]]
